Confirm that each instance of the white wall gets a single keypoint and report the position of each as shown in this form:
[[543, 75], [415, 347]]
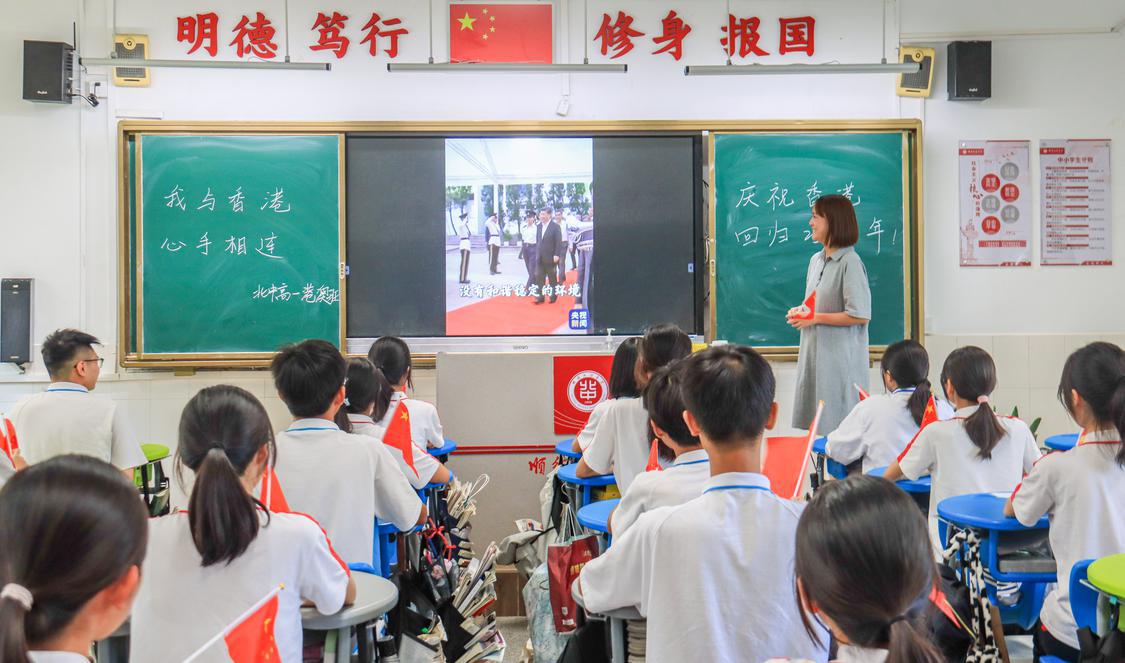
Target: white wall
[[58, 169]]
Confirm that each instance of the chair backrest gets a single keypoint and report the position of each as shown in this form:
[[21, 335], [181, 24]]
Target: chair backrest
[[786, 460], [1083, 599]]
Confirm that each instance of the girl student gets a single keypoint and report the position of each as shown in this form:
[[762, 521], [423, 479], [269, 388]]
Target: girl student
[[621, 442], [622, 384], [72, 539], [870, 589], [975, 451], [213, 562], [687, 469], [391, 355], [369, 397], [1082, 490], [879, 427]]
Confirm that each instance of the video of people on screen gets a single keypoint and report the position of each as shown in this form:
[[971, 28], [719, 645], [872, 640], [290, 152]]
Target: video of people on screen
[[519, 235]]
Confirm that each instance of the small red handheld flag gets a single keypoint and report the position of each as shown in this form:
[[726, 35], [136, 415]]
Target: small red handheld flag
[[8, 440], [807, 310], [398, 435], [928, 417], [508, 32], [271, 493], [253, 639], [654, 458], [862, 394]]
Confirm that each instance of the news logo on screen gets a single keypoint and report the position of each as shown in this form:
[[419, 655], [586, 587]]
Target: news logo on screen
[[579, 319]]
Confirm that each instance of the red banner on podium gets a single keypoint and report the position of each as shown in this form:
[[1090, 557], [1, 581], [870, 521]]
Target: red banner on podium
[[581, 382]]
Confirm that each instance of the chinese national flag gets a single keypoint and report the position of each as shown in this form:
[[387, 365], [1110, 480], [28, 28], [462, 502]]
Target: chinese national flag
[[928, 417], [808, 308], [252, 640], [8, 438], [271, 493], [501, 33], [398, 435], [862, 394], [653, 458]]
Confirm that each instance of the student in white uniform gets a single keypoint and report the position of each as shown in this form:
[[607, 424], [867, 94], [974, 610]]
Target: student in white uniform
[[879, 427], [975, 451], [714, 577], [391, 355], [66, 418], [622, 440], [870, 589], [210, 564], [1082, 490], [342, 480], [622, 384], [369, 397], [72, 540], [686, 466]]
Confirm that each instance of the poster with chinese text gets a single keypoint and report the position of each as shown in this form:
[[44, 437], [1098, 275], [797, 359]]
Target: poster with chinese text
[[581, 383], [995, 206], [1075, 203]]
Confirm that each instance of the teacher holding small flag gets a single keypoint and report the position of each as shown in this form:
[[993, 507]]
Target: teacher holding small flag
[[833, 359]]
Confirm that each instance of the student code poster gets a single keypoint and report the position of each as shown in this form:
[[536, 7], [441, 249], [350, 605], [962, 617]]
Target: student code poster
[[995, 208], [1075, 205]]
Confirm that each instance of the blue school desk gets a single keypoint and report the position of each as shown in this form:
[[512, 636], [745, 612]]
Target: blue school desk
[[595, 517], [442, 452], [826, 464], [585, 495], [565, 450], [921, 485], [984, 513], [1064, 442]]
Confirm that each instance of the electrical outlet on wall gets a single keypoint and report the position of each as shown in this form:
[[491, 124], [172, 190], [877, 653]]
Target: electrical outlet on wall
[[97, 85]]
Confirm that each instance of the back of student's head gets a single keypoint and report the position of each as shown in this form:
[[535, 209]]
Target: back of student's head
[[222, 430], [391, 355], [61, 348], [367, 387], [664, 402], [308, 375], [973, 375], [661, 345], [909, 366], [729, 390], [1097, 373], [863, 559], [70, 527], [622, 377]]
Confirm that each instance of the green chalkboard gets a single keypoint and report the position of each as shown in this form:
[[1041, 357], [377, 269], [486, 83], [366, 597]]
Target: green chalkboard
[[764, 187], [238, 243]]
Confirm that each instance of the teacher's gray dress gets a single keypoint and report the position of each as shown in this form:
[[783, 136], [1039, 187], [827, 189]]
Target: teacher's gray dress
[[833, 359]]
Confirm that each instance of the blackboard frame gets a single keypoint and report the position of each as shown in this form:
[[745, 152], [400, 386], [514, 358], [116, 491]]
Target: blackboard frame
[[913, 256]]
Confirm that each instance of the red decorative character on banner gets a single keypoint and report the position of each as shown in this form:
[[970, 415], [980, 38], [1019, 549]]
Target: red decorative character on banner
[[537, 465], [255, 37], [199, 29], [797, 35], [618, 35], [330, 38], [373, 31], [743, 33], [675, 29]]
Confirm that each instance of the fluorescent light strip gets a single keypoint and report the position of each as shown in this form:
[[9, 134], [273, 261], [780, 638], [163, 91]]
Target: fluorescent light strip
[[507, 67], [206, 64], [782, 69]]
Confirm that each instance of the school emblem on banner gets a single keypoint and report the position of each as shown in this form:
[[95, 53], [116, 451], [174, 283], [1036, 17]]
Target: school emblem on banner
[[580, 383]]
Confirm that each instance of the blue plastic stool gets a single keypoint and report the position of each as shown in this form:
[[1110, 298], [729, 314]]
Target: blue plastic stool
[[1083, 599], [831, 467], [1064, 442]]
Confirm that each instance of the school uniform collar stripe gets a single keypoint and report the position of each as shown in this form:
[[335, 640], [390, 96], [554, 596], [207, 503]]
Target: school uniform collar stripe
[[1101, 437], [736, 480], [311, 424], [694, 457], [360, 419], [67, 386]]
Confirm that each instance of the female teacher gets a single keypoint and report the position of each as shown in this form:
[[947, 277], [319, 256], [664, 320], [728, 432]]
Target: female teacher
[[833, 356]]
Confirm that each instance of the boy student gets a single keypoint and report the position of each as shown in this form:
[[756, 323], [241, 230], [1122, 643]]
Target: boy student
[[714, 576], [342, 480], [66, 418]]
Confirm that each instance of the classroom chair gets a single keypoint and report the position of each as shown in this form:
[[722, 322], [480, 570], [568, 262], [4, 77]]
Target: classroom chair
[[1083, 597]]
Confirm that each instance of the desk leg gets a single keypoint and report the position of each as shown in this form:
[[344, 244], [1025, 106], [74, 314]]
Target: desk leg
[[344, 645], [617, 644], [587, 494]]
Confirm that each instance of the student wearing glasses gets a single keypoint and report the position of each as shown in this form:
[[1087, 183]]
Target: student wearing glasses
[[67, 418]]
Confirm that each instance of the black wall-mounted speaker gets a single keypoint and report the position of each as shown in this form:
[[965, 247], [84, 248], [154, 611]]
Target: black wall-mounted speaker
[[15, 320], [970, 70], [48, 71]]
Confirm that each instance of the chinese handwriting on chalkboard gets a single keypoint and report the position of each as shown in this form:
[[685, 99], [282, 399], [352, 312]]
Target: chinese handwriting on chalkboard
[[747, 198], [780, 202], [309, 294], [748, 236]]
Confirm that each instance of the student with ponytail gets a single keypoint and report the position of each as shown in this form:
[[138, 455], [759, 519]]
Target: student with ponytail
[[211, 563], [879, 427], [870, 589], [975, 451], [391, 355], [369, 395], [72, 539], [1082, 490]]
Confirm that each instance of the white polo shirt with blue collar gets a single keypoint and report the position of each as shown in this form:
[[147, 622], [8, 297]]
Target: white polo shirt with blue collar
[[680, 482]]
